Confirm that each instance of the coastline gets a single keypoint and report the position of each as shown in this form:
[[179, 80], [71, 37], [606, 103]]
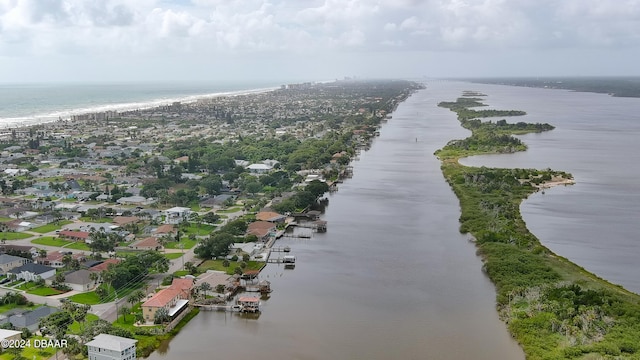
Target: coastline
[[533, 284], [16, 122]]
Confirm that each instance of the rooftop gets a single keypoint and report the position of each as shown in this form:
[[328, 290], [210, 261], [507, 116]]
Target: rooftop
[[111, 342]]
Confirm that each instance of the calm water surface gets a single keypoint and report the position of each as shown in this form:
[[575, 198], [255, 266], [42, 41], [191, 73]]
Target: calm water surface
[[392, 277], [595, 223]]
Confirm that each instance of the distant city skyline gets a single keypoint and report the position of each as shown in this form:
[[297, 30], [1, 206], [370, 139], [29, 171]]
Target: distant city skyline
[[298, 40]]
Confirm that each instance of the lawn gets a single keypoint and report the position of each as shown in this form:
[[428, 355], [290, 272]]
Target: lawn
[[44, 291], [75, 327], [79, 246], [7, 307], [51, 241], [181, 273], [188, 244], [14, 235], [202, 229], [31, 352], [172, 256], [50, 227], [217, 265], [86, 298]]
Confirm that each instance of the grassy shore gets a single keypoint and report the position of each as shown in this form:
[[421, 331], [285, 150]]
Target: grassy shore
[[553, 308]]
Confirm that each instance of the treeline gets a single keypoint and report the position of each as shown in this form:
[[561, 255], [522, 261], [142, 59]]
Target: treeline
[[554, 309]]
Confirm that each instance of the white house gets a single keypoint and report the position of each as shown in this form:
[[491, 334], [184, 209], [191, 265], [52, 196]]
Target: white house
[[111, 347], [177, 214], [259, 168], [33, 272]]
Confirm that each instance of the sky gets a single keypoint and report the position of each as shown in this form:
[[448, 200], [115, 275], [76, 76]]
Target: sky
[[227, 40]]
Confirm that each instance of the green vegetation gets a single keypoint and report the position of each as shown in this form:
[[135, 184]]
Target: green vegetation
[[552, 307], [219, 265], [50, 227], [89, 298], [172, 256], [51, 241], [14, 235], [185, 242], [78, 246]]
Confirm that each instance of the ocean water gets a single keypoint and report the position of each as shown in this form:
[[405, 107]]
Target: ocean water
[[28, 104]]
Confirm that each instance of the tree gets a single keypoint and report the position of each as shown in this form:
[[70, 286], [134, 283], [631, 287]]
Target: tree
[[161, 316], [204, 287], [220, 288], [136, 296], [214, 246], [190, 267], [124, 311], [56, 324]]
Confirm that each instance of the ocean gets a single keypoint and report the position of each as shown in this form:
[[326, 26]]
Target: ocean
[[29, 104]]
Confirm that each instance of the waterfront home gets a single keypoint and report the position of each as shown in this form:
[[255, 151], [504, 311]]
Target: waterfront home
[[33, 272], [262, 229], [173, 299], [111, 347], [8, 262], [270, 216]]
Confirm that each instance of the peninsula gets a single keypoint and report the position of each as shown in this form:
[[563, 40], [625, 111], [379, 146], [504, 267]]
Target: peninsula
[[552, 307], [124, 223]]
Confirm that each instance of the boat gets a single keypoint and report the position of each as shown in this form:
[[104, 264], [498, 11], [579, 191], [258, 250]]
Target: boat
[[289, 261]]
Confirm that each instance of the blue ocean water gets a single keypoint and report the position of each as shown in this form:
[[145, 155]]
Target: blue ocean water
[[27, 104]]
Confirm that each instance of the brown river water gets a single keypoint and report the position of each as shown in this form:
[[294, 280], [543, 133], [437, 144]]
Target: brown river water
[[393, 277]]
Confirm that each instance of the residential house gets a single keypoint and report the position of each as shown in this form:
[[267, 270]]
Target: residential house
[[8, 262], [259, 168], [79, 280], [10, 335], [31, 319], [177, 214], [81, 236], [262, 229], [9, 248], [55, 258], [150, 243], [111, 347], [104, 265], [125, 220], [33, 272], [270, 216], [217, 201], [174, 299], [166, 229]]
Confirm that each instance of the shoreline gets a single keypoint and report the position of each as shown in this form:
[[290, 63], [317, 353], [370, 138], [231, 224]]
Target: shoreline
[[18, 122]]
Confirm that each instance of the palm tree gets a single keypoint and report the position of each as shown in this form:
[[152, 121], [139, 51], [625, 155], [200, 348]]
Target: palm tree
[[136, 296], [124, 311], [204, 287]]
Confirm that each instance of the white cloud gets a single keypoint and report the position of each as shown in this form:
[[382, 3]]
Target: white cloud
[[213, 29]]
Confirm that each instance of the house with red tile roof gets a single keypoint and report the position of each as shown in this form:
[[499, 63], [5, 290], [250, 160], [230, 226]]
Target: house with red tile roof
[[104, 265], [74, 235], [150, 243], [261, 229], [174, 299]]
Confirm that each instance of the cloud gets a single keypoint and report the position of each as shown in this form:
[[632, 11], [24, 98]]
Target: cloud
[[213, 29]]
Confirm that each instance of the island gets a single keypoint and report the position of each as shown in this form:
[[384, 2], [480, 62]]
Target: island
[[552, 307]]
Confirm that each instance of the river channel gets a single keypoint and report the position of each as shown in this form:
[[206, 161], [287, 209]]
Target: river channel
[[391, 278]]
